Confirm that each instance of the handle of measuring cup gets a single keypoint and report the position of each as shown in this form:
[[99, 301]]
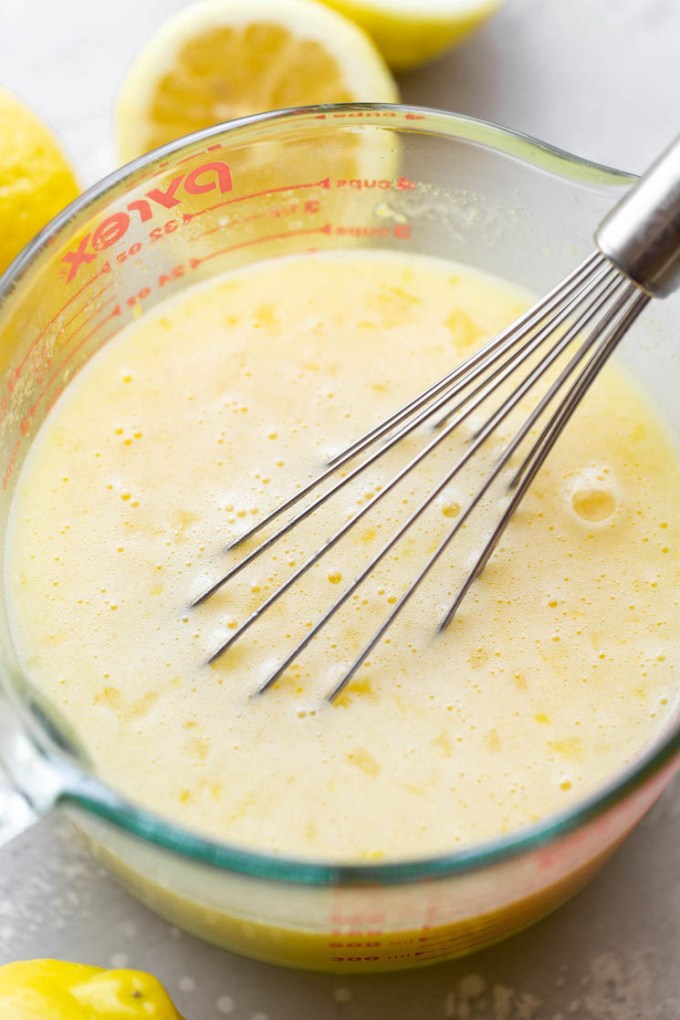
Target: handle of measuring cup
[[641, 234], [29, 786], [16, 814]]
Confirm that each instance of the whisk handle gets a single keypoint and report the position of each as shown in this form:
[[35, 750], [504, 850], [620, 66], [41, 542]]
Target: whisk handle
[[641, 234]]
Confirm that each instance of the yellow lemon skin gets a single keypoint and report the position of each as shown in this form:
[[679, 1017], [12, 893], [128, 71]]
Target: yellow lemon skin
[[36, 180], [411, 33], [55, 990]]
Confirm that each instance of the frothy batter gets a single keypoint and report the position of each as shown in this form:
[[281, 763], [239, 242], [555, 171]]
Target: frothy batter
[[197, 419]]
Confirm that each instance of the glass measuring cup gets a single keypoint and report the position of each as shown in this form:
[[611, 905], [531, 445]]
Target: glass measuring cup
[[329, 177]]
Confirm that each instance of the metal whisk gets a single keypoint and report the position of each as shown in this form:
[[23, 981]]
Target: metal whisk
[[637, 257]]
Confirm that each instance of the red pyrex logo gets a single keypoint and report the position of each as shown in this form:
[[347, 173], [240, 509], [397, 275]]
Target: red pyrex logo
[[214, 176]]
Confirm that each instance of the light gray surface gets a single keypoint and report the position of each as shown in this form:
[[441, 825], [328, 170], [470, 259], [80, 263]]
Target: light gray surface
[[599, 77], [610, 954]]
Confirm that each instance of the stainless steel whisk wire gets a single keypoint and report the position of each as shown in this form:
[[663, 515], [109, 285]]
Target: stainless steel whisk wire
[[638, 257]]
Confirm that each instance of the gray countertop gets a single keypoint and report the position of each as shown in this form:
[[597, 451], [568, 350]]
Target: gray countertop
[[598, 77], [612, 953]]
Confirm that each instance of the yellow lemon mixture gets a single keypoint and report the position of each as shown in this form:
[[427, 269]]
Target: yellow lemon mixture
[[190, 425]]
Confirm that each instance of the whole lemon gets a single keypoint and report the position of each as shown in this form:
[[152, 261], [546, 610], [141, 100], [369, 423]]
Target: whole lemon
[[409, 33], [36, 180], [55, 990]]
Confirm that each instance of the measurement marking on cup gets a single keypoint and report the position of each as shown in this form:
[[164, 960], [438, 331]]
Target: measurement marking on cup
[[401, 184], [442, 945], [26, 421], [355, 959], [14, 374], [342, 944], [43, 361], [90, 302], [423, 957], [373, 114], [399, 231], [87, 320], [325, 183], [214, 175], [309, 208], [442, 942], [326, 229], [58, 371]]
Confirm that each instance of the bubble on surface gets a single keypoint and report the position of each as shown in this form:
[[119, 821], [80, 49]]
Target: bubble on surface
[[593, 496]]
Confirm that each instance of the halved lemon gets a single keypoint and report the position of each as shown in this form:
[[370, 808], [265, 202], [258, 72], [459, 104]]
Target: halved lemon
[[221, 59], [411, 32]]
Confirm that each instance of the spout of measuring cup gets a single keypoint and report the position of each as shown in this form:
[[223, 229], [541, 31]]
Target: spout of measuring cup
[[30, 784]]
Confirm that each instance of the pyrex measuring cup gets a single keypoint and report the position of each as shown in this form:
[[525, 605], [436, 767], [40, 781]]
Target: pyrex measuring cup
[[322, 178]]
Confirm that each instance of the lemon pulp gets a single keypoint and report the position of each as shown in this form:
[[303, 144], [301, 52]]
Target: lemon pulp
[[221, 59]]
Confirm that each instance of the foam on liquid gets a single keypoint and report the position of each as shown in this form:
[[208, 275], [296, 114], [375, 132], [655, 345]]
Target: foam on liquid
[[560, 668]]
